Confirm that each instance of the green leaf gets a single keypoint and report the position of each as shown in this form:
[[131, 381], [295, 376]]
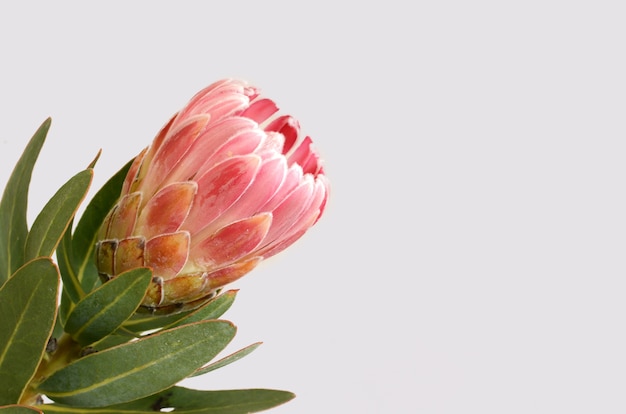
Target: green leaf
[[188, 401], [213, 309], [18, 409], [111, 340], [65, 308], [86, 234], [105, 309], [54, 219], [27, 313], [72, 290], [236, 356], [13, 226], [139, 368]]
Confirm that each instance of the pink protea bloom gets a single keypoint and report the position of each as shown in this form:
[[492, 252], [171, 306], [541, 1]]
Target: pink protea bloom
[[226, 183]]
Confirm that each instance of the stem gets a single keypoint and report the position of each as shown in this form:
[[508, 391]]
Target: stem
[[67, 351]]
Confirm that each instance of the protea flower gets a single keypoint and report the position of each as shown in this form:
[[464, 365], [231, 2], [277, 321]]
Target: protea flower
[[226, 183]]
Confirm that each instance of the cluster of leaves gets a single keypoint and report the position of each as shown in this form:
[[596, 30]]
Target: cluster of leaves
[[91, 351]]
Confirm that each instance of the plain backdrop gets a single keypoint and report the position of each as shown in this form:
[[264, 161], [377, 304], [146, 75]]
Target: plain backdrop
[[471, 259]]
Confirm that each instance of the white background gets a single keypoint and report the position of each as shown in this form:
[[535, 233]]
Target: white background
[[471, 259]]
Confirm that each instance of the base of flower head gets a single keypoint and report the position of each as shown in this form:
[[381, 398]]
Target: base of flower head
[[183, 291]]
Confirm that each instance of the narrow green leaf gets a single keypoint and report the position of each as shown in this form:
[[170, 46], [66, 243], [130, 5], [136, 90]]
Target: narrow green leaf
[[92, 164], [236, 356], [140, 368], [188, 401], [86, 234], [13, 226], [213, 309], [19, 409], [54, 219], [104, 310], [27, 313], [110, 341], [72, 289], [65, 307]]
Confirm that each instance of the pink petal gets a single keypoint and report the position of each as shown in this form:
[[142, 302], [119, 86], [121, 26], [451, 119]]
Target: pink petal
[[124, 217], [289, 127], [167, 210], [243, 143], [207, 144], [171, 152], [131, 175], [281, 244], [273, 142], [292, 207], [167, 254], [260, 110], [141, 163], [326, 184], [129, 254], [309, 215], [229, 274], [228, 98], [231, 242], [219, 188], [291, 181], [301, 153], [266, 182]]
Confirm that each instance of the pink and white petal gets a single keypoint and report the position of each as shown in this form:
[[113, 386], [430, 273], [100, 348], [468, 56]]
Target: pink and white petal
[[206, 145], [279, 245], [204, 97], [167, 210], [260, 110], [229, 274], [167, 254], [124, 217], [310, 214], [230, 243], [174, 148], [292, 207], [273, 143], [219, 188], [226, 100], [242, 143], [300, 154], [266, 182], [291, 181], [289, 127], [323, 181], [142, 162]]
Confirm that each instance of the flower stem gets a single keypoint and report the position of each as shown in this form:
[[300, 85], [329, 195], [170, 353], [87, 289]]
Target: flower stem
[[67, 350]]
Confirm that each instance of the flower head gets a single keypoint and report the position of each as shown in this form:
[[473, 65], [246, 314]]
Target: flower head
[[227, 182]]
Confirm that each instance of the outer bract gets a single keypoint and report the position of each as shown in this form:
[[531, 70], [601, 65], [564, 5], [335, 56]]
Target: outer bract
[[228, 182]]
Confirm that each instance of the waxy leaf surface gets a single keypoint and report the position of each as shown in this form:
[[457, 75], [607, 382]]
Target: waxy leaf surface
[[187, 401], [13, 226], [27, 314], [18, 409], [105, 309], [54, 219], [140, 368]]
